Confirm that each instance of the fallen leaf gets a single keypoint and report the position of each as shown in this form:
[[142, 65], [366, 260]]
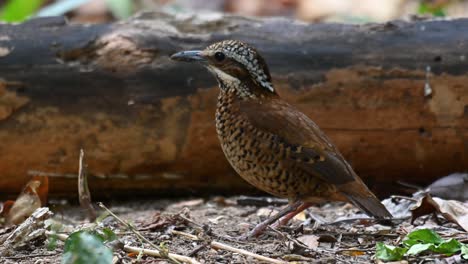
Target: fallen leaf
[[327, 239], [422, 236], [132, 254], [85, 247], [43, 189], [6, 207], [311, 241], [158, 221], [300, 216], [266, 212], [454, 211], [26, 203], [353, 252], [388, 252], [399, 208], [453, 186]]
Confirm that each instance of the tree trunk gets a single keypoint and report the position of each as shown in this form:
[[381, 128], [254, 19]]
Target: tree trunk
[[393, 97]]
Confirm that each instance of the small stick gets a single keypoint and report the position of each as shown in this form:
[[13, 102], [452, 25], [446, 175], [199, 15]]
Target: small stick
[[193, 237], [403, 198], [157, 253], [197, 249], [261, 201], [149, 252], [163, 253], [218, 245], [83, 190]]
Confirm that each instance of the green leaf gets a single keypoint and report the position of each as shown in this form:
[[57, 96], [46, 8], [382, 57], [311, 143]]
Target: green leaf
[[422, 236], [418, 248], [19, 10], [448, 247], [121, 9], [52, 242], [425, 8], [85, 248], [389, 253], [108, 234], [464, 251]]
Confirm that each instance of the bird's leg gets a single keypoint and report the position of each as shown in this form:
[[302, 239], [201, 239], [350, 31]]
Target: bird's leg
[[285, 219], [260, 228]]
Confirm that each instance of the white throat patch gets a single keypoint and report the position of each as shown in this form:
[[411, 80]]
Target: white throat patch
[[224, 76]]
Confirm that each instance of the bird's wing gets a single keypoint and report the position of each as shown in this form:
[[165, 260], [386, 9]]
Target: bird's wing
[[310, 148]]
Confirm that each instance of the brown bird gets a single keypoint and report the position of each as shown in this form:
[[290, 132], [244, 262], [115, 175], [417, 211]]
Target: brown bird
[[271, 144]]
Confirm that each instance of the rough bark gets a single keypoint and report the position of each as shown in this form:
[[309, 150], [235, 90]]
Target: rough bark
[[392, 96]]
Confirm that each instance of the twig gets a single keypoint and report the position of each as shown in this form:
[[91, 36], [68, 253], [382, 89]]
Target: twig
[[162, 252], [261, 201], [218, 245], [197, 249], [403, 198], [157, 253], [149, 252], [180, 233], [32, 256], [83, 189], [373, 220], [313, 231]]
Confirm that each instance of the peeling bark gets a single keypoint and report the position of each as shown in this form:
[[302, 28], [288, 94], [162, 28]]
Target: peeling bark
[[392, 96]]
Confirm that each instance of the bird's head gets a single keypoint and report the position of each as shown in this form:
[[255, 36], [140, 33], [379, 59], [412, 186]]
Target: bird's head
[[235, 65]]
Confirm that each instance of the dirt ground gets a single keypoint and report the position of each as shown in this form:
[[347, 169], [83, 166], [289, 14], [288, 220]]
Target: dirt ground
[[332, 233]]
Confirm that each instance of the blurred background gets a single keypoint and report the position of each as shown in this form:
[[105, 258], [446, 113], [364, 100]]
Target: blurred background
[[345, 11]]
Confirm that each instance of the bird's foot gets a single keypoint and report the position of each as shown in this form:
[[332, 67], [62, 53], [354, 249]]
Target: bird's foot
[[254, 233]]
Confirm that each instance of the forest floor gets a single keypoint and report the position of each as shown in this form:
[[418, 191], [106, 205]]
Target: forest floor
[[205, 231]]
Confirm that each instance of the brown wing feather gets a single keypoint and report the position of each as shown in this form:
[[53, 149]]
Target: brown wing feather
[[295, 128]]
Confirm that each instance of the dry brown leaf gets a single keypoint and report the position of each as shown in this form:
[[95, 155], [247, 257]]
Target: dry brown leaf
[[43, 190], [311, 241], [33, 196], [353, 252], [158, 222], [6, 207], [453, 187], [454, 211]]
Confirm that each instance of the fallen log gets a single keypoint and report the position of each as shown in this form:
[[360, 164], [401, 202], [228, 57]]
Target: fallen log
[[392, 96]]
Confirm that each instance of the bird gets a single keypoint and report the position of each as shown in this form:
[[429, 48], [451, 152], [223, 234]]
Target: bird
[[270, 143]]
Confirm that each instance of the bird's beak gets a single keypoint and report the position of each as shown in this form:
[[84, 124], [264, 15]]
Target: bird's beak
[[188, 56]]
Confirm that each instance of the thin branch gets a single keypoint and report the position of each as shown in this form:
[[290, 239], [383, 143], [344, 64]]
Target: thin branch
[[157, 253], [162, 252], [149, 252], [219, 245], [403, 198], [83, 190]]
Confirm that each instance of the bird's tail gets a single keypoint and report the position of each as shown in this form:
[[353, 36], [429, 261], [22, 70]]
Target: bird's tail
[[363, 198]]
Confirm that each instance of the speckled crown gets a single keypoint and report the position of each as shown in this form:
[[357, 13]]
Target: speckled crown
[[247, 56]]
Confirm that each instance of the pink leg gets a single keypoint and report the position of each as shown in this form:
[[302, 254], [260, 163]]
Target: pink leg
[[260, 228], [285, 219]]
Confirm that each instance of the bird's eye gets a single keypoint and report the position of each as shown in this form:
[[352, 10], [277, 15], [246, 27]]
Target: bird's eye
[[219, 56]]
